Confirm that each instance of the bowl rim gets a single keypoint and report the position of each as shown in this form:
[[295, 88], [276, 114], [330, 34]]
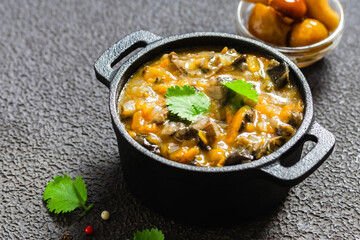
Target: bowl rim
[[334, 35], [115, 92]]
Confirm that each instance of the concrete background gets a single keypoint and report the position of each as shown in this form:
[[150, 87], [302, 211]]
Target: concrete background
[[54, 119]]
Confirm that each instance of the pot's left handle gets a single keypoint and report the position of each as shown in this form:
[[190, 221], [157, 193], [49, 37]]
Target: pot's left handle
[[289, 176], [103, 66]]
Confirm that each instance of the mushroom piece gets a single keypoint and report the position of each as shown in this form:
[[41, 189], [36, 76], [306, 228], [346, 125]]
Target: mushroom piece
[[207, 125], [217, 92], [295, 119], [212, 129], [268, 147], [141, 138], [237, 158], [185, 134], [206, 66], [224, 79], [285, 130], [169, 148], [171, 127], [158, 114], [128, 109], [200, 122], [240, 61], [180, 64], [249, 116], [207, 128], [279, 74], [203, 141]]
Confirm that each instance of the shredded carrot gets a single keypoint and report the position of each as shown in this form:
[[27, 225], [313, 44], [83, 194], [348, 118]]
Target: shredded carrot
[[217, 157], [177, 156], [201, 84], [139, 124], [150, 128], [225, 49], [185, 154], [265, 127], [235, 124], [137, 121], [262, 99], [138, 104], [164, 63], [268, 110], [147, 109], [132, 133], [250, 127], [253, 63], [161, 88], [202, 136], [229, 114], [286, 113], [191, 153], [184, 81], [151, 73]]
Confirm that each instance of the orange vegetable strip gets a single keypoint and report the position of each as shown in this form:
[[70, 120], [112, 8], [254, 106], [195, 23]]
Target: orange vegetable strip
[[150, 128], [225, 49], [147, 109], [217, 157], [250, 127], [235, 125], [287, 110], [229, 115], [191, 153], [253, 63], [161, 89], [137, 121], [268, 110], [164, 63]]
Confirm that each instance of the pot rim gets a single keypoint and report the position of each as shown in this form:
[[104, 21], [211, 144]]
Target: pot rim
[[263, 161]]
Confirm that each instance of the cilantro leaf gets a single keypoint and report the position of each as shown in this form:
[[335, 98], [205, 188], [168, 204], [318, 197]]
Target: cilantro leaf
[[185, 102], [243, 88], [153, 234], [63, 195]]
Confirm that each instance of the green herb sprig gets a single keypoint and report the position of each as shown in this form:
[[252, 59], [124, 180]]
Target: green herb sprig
[[64, 195], [185, 102], [242, 90], [152, 234]]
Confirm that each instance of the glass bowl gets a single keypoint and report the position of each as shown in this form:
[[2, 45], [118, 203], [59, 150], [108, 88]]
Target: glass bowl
[[301, 56]]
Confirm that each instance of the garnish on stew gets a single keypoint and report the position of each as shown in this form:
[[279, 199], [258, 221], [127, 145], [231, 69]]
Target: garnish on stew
[[185, 102], [211, 108]]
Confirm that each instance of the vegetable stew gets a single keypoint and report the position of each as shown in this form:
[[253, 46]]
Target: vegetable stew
[[211, 108]]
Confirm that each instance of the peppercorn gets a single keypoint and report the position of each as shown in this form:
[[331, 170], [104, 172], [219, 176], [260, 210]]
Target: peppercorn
[[105, 215], [89, 230]]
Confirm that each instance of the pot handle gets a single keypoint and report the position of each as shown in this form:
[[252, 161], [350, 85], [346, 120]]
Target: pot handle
[[290, 176], [103, 66]]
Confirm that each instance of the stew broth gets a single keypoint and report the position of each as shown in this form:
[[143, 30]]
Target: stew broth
[[234, 130]]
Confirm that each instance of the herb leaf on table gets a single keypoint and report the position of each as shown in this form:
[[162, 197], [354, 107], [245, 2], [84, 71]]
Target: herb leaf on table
[[153, 234], [64, 195]]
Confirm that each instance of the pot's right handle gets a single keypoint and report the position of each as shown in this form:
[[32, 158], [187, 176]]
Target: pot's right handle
[[325, 142], [103, 66]]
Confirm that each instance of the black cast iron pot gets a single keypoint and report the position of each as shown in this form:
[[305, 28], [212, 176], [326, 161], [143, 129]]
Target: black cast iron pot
[[212, 194]]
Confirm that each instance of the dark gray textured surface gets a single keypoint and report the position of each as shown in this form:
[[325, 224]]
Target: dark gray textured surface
[[54, 120]]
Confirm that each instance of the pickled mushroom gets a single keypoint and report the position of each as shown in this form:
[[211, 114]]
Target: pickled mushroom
[[292, 23], [268, 25], [308, 32], [294, 9], [321, 11]]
